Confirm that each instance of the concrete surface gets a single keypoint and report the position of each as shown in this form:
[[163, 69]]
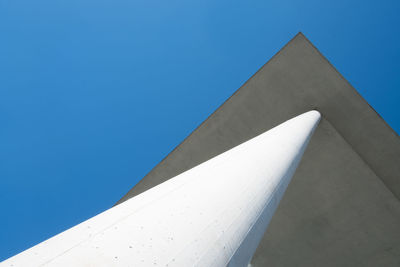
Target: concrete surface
[[173, 225], [342, 208]]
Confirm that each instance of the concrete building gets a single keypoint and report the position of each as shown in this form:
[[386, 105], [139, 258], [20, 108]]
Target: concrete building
[[341, 208]]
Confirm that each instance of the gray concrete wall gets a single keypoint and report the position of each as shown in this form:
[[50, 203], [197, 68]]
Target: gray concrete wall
[[334, 213], [342, 208]]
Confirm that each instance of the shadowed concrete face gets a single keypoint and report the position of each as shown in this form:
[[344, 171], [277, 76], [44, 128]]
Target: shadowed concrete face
[[334, 213], [342, 208]]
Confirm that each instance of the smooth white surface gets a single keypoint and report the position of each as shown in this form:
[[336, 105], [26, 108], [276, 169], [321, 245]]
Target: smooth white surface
[[212, 215]]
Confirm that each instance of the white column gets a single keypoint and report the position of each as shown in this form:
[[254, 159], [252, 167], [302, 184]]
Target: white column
[[212, 215]]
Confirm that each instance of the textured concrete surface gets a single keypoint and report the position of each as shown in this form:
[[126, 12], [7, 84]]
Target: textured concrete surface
[[336, 212], [342, 208]]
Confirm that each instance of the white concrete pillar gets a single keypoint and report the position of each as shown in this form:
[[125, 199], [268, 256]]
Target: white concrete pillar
[[212, 215]]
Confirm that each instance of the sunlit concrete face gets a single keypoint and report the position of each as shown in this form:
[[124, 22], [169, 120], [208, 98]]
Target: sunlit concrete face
[[184, 221], [342, 208]]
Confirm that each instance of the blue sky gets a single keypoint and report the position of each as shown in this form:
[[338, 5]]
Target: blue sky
[[93, 94]]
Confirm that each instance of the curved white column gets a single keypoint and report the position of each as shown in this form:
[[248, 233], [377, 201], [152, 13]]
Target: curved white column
[[212, 215]]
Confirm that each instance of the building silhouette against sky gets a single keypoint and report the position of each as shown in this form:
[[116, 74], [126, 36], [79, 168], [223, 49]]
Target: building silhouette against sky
[[342, 206]]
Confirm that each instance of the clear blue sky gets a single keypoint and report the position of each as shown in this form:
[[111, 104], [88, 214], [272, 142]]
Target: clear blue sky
[[93, 94]]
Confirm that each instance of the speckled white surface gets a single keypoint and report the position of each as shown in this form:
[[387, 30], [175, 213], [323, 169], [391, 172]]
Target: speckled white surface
[[184, 221]]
